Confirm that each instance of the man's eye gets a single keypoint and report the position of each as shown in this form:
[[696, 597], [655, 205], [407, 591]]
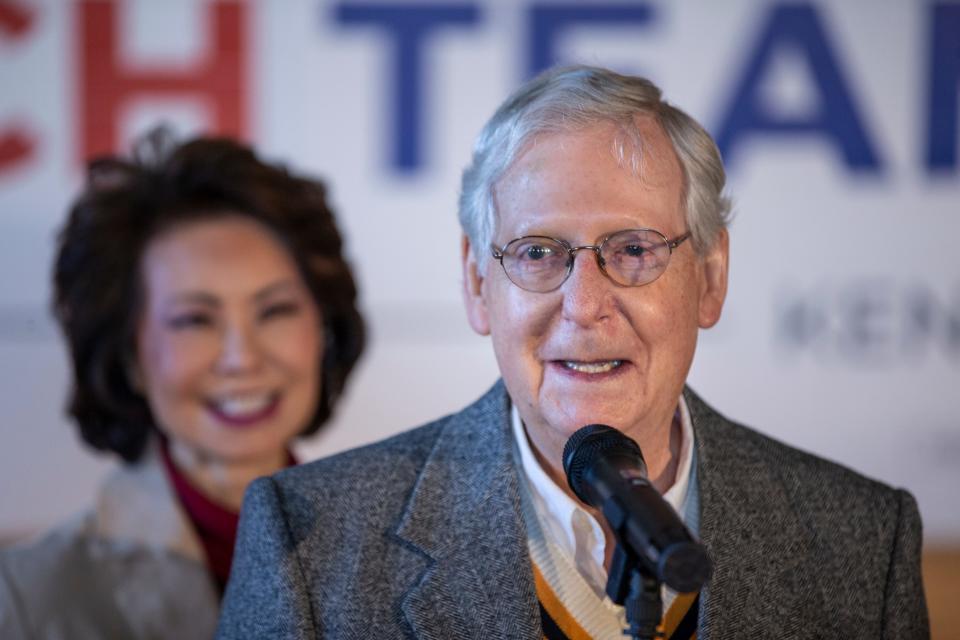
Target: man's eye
[[536, 252], [634, 250]]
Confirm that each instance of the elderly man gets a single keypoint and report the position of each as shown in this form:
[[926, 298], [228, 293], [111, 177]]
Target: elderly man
[[595, 248]]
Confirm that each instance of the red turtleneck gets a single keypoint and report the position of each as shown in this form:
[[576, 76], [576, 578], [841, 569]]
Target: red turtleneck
[[215, 524]]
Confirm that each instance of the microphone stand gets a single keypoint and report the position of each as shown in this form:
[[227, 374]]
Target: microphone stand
[[631, 584]]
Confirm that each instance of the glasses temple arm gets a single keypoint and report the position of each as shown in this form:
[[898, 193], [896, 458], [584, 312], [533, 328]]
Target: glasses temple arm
[[673, 244]]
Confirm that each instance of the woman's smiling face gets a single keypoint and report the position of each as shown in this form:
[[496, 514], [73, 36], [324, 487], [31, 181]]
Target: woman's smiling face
[[229, 340]]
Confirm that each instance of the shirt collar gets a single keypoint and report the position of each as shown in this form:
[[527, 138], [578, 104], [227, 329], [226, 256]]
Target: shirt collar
[[137, 504]]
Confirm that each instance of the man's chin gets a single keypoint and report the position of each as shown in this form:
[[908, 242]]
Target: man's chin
[[567, 420], [581, 405]]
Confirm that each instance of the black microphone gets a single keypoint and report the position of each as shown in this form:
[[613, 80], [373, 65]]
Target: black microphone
[[606, 470]]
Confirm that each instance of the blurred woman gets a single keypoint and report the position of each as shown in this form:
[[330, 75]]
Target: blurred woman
[[211, 319]]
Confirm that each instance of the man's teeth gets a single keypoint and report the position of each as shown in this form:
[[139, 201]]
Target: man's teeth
[[243, 405], [592, 367]]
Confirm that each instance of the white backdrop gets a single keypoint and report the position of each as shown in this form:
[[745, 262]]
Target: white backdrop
[[841, 333]]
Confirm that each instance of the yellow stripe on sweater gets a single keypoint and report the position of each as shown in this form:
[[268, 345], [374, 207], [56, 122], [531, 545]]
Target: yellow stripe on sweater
[[681, 604], [555, 609]]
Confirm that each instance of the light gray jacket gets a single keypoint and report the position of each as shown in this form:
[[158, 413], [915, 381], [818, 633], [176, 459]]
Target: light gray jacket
[[130, 568], [421, 536]]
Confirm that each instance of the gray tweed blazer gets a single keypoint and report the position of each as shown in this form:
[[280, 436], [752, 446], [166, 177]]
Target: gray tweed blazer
[[421, 536]]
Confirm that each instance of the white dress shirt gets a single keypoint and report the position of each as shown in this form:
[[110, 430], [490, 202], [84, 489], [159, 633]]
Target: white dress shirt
[[569, 545]]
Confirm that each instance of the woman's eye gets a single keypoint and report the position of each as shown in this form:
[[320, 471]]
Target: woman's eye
[[634, 250], [189, 321], [280, 310]]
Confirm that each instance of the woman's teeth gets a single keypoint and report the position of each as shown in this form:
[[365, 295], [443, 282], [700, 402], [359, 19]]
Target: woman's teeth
[[239, 406], [592, 367]]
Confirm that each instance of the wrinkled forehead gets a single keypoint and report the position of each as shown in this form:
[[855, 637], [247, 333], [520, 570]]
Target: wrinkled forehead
[[595, 161], [640, 147]]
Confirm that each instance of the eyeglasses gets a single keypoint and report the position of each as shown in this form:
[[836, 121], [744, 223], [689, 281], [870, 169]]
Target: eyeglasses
[[631, 258]]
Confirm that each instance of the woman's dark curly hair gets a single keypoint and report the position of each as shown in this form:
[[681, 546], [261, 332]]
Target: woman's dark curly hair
[[128, 202]]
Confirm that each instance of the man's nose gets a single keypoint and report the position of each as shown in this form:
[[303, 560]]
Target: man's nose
[[586, 293]]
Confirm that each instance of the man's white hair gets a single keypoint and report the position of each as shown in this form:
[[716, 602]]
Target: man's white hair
[[569, 99]]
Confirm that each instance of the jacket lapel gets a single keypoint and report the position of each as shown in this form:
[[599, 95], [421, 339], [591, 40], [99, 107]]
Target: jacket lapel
[[149, 554], [464, 517], [761, 550]]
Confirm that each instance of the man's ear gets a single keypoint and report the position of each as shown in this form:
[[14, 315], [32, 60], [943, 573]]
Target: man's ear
[[473, 298], [714, 290]]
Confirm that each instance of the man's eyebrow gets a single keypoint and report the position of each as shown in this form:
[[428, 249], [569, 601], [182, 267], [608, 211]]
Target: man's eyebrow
[[531, 229]]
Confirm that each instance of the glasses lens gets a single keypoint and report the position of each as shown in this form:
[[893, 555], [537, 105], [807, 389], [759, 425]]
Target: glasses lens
[[536, 263], [635, 256]]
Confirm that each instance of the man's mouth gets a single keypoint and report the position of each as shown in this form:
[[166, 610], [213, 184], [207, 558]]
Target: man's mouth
[[602, 366]]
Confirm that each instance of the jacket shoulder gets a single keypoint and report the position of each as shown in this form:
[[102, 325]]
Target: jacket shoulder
[[380, 463], [362, 489], [844, 510], [55, 585], [36, 567], [730, 440], [396, 461], [72, 582], [850, 544]]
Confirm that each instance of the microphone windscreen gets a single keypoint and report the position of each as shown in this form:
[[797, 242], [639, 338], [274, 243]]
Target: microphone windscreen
[[586, 445]]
